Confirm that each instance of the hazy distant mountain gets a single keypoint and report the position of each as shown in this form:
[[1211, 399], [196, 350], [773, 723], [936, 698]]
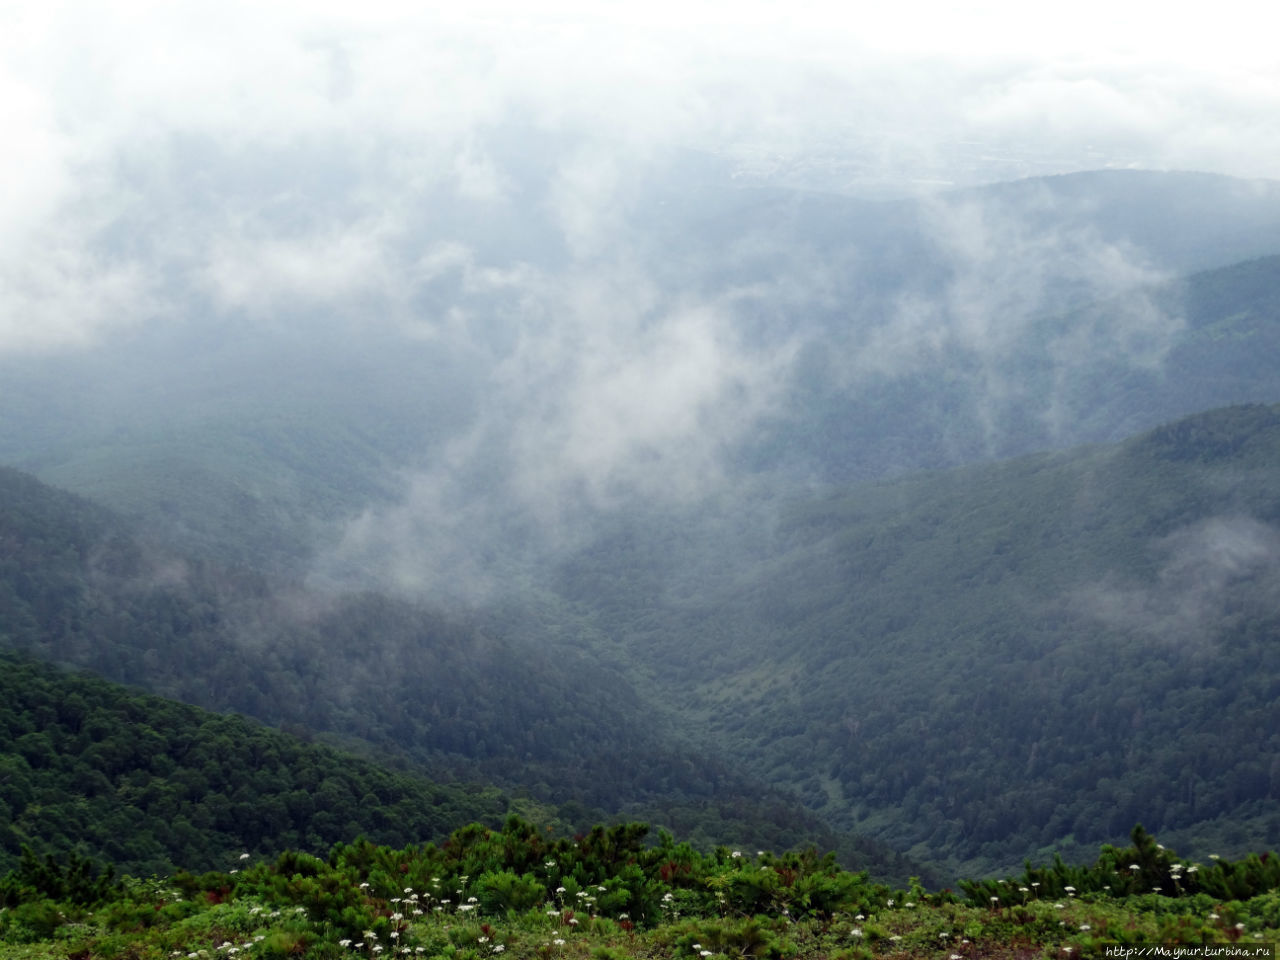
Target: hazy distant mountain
[[1097, 373], [1179, 221], [825, 336]]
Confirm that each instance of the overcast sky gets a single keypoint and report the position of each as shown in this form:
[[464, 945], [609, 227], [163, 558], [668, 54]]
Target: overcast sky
[[144, 137]]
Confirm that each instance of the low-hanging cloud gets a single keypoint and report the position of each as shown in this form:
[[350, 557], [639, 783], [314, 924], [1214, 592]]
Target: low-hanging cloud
[[1200, 569], [491, 184], [608, 393], [262, 275], [996, 310], [179, 127]]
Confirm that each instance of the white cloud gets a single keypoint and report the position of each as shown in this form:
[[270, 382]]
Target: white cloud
[[607, 392], [474, 175], [646, 398], [405, 99], [60, 295], [265, 273], [1198, 565]]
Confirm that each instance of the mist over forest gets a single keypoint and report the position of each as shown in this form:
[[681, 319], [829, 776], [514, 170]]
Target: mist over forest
[[785, 432]]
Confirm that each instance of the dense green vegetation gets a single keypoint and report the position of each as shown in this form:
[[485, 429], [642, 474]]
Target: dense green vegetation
[[992, 662], [611, 894], [972, 665], [150, 784], [374, 674]]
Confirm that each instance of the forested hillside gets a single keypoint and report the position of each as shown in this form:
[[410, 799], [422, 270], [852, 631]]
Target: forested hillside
[[685, 565], [991, 661], [153, 786], [973, 665], [378, 675], [734, 447]]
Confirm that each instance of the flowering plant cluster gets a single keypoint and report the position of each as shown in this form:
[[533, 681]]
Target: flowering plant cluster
[[610, 894]]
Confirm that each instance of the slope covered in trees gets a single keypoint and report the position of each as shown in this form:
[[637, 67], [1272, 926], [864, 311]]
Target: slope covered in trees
[[878, 649], [976, 665], [152, 785], [374, 674], [988, 662]]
